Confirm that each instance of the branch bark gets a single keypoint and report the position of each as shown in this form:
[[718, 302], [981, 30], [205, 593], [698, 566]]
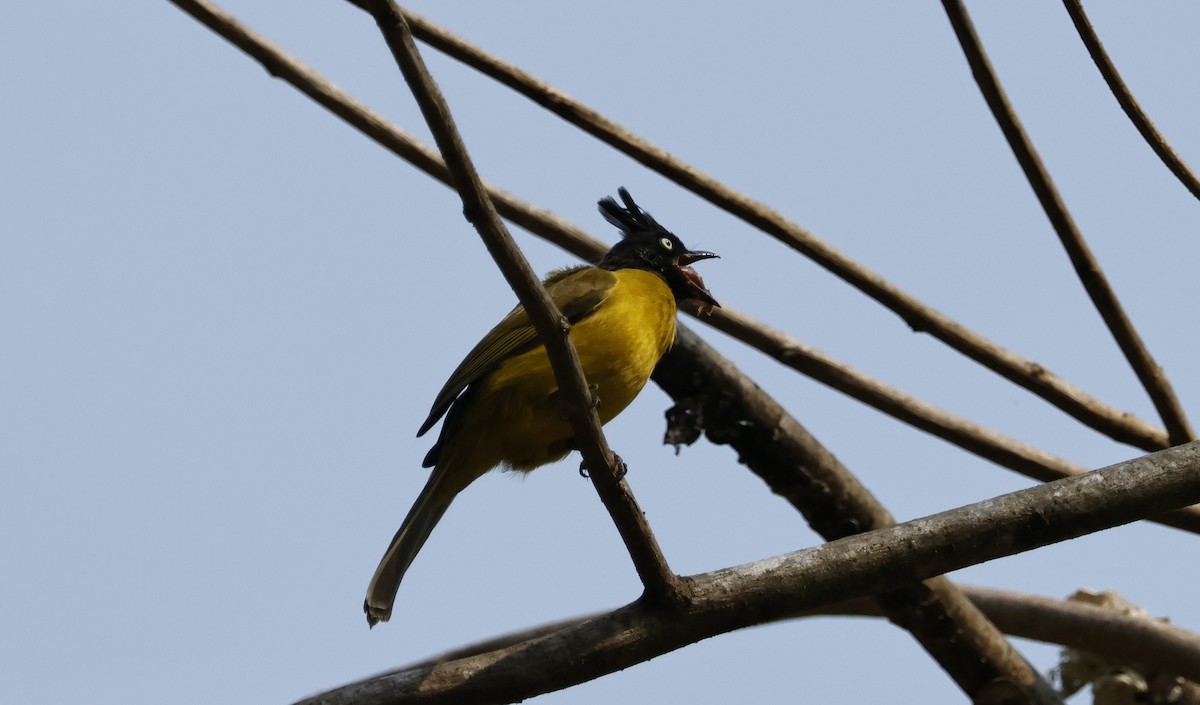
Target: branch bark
[[1086, 265], [746, 595]]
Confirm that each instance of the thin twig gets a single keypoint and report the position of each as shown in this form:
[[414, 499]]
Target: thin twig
[[730, 408], [1117, 424], [1086, 265], [562, 233], [747, 595], [980, 440], [1125, 97], [552, 327]]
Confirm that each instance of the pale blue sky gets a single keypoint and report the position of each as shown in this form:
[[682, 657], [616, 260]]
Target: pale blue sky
[[225, 313]]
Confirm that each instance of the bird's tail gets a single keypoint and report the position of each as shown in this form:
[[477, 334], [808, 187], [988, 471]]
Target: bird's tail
[[432, 503]]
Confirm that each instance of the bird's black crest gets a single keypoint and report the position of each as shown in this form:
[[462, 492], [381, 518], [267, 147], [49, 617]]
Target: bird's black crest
[[630, 219]]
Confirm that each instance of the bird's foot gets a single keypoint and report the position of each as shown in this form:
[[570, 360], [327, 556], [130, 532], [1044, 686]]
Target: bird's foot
[[619, 467]]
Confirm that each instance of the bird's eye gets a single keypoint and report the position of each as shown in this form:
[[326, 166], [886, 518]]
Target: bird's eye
[[666, 243]]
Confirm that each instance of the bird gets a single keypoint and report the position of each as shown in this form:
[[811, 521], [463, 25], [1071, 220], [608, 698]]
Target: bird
[[501, 404]]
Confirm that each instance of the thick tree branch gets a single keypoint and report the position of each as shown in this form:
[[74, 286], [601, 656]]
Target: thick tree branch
[[1036, 464], [551, 325], [714, 396], [1117, 424], [1125, 97], [1086, 265], [856, 566]]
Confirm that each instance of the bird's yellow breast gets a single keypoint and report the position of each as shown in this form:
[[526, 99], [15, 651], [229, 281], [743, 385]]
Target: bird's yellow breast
[[620, 344], [518, 420]]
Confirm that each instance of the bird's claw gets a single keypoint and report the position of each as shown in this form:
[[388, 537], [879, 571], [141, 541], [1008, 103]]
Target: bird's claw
[[619, 468]]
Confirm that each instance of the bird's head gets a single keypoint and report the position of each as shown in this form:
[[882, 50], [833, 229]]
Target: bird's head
[[645, 244]]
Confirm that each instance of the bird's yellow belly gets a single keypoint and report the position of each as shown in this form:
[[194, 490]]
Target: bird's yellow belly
[[618, 347]]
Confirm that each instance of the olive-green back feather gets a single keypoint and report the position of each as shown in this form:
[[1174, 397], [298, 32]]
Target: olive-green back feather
[[576, 292]]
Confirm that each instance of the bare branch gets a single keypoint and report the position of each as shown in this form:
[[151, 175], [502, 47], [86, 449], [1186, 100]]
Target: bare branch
[[714, 396], [1091, 628], [729, 408], [552, 327], [982, 441], [1124, 638], [1086, 266], [1117, 424], [856, 566], [1125, 97]]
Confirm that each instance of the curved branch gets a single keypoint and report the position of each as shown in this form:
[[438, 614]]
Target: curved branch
[[1125, 97], [552, 327], [1117, 424], [1086, 265], [746, 595]]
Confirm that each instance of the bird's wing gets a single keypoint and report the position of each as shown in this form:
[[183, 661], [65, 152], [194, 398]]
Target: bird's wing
[[576, 291]]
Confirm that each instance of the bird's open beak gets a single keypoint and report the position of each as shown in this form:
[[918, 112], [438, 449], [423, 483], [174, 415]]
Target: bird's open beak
[[695, 283], [691, 257]]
